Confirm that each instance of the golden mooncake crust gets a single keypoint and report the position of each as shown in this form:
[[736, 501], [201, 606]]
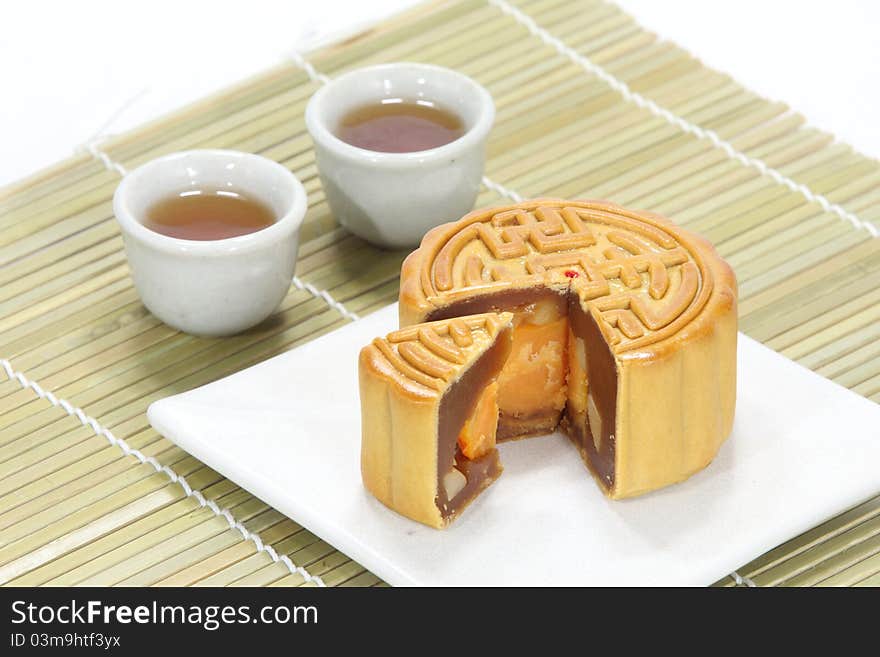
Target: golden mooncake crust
[[403, 378], [421, 361]]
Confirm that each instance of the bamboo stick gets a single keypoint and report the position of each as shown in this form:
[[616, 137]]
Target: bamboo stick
[[851, 575], [64, 570]]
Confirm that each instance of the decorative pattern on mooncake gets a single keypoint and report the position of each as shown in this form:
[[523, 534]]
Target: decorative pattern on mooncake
[[425, 359], [429, 414], [624, 330], [646, 278]]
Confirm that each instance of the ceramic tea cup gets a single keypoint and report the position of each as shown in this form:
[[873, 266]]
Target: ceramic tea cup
[[393, 199], [211, 287]]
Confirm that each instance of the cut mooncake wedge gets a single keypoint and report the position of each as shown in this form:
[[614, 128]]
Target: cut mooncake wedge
[[624, 333], [429, 414]]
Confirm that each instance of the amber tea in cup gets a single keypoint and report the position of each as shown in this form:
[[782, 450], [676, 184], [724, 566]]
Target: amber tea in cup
[[396, 125], [208, 214], [383, 178]]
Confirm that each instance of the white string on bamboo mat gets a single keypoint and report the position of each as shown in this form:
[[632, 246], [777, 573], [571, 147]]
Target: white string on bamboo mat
[[94, 425], [325, 295], [711, 136], [310, 70], [91, 147], [501, 190], [742, 580]]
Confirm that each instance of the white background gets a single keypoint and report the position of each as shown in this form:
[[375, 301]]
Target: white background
[[66, 68]]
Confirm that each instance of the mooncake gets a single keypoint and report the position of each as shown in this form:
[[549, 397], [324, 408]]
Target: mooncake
[[429, 414], [624, 330]]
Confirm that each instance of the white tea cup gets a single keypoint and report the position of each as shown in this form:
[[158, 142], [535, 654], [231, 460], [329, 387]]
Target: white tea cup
[[393, 199], [211, 287]]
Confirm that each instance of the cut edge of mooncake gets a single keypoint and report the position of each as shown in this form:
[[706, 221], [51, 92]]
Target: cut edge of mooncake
[[429, 414]]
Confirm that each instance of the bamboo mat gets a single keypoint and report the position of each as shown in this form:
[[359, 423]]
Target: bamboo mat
[[589, 105]]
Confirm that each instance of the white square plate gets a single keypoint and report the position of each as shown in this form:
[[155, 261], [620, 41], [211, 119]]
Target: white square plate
[[802, 450]]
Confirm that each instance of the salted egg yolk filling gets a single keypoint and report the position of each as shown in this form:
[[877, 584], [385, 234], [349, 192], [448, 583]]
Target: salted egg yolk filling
[[533, 379], [477, 436]]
